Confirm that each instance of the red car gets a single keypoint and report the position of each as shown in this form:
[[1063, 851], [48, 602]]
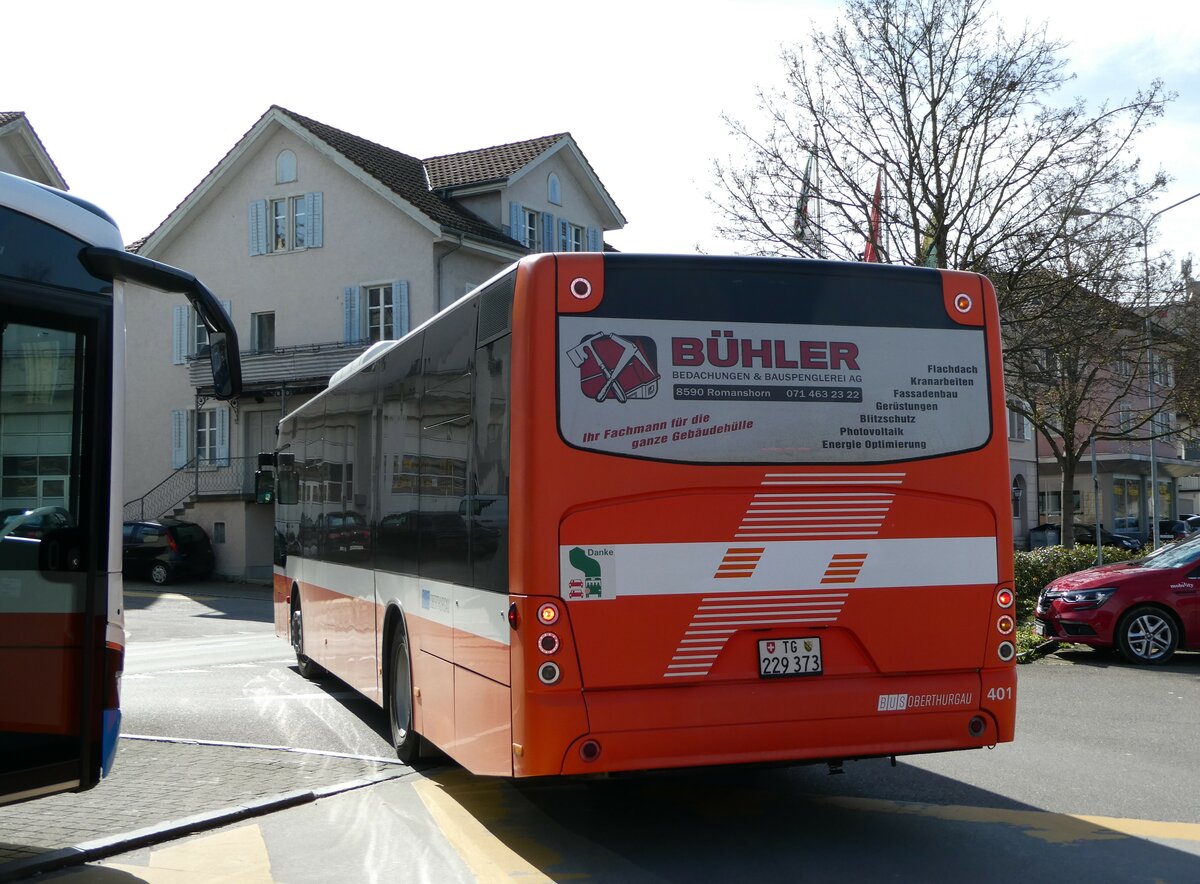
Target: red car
[[1147, 608]]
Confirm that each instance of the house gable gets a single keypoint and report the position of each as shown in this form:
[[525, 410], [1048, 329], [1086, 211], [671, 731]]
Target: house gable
[[22, 152], [396, 177]]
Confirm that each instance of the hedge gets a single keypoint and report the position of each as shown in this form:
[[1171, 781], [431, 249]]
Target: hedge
[[1033, 570]]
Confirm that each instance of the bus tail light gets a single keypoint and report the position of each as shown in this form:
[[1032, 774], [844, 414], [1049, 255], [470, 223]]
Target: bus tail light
[[1005, 597], [549, 673], [514, 619], [547, 614], [1005, 624], [589, 750], [977, 726], [1006, 651], [549, 643]]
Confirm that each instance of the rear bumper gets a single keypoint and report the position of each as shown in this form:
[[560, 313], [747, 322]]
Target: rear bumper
[[802, 719], [791, 741]]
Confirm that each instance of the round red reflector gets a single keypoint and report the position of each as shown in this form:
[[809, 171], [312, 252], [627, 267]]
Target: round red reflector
[[1004, 598], [548, 643], [581, 288], [513, 619], [963, 303], [548, 614], [589, 750], [1005, 625]]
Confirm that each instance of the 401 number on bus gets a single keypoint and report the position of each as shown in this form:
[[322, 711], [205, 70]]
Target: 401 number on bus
[[782, 657]]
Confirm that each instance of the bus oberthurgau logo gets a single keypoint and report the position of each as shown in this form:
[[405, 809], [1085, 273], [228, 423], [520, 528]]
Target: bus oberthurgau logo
[[620, 367]]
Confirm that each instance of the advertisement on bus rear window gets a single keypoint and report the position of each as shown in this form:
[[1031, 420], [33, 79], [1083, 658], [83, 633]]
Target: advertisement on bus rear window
[[765, 393]]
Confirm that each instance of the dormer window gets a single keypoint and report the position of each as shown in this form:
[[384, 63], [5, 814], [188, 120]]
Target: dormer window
[[285, 167], [553, 190]]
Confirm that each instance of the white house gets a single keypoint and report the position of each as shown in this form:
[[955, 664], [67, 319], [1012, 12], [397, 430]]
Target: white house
[[318, 243], [22, 152]]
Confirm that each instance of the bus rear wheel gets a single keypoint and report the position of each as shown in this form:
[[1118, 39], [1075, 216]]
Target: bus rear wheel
[[400, 701], [304, 664]]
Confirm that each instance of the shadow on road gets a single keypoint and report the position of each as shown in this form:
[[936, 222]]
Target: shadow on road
[[874, 823]]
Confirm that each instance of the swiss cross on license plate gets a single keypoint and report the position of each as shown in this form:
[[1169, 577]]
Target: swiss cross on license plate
[[781, 657]]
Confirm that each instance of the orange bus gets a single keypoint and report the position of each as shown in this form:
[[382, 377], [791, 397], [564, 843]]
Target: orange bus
[[63, 276], [618, 512]]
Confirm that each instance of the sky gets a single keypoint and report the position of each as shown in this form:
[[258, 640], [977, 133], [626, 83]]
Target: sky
[[136, 101]]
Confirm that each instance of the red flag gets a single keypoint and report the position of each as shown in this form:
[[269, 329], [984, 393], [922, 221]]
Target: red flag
[[871, 252]]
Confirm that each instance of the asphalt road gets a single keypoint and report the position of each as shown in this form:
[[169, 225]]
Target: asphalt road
[[1100, 784]]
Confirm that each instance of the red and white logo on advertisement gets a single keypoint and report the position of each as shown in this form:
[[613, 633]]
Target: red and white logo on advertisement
[[620, 367]]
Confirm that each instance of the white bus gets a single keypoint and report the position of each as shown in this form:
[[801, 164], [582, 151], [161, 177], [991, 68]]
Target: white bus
[[63, 271]]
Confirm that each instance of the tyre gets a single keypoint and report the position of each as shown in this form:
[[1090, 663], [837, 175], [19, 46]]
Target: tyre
[[159, 573], [400, 700], [304, 664], [1148, 635]]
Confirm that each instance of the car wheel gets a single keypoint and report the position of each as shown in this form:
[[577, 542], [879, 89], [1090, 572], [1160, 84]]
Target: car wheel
[[304, 664], [159, 573], [1148, 635], [400, 700]]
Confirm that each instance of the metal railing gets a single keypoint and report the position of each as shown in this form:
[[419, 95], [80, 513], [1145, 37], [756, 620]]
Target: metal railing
[[194, 479]]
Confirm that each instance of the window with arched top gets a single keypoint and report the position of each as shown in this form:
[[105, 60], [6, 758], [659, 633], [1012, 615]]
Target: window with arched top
[[554, 190], [285, 167], [1018, 497]]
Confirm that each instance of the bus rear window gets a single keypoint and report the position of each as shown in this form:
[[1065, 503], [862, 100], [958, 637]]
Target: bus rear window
[[719, 388]]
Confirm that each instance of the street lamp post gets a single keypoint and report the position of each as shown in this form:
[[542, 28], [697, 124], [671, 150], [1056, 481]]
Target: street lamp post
[[1152, 510]]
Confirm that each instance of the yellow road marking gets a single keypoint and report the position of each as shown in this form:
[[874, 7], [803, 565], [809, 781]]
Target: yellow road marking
[[1054, 828], [238, 856], [487, 856]]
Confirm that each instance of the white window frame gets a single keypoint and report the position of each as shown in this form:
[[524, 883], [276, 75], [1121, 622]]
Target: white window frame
[[256, 343], [288, 224], [576, 238], [204, 437], [379, 316], [531, 229], [1019, 427]]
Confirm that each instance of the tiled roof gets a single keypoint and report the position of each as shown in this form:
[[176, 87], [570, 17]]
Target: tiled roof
[[487, 164], [404, 175], [7, 117]]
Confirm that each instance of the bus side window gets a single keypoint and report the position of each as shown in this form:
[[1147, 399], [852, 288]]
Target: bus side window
[[490, 467]]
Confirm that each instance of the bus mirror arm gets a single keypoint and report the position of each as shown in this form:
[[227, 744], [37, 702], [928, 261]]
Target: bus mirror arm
[[224, 355]]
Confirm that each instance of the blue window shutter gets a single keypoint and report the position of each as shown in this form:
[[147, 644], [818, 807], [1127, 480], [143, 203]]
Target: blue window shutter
[[179, 438], [352, 325], [547, 232], [594, 240], [258, 227], [515, 226], [314, 204], [180, 321], [400, 315], [564, 235], [223, 436]]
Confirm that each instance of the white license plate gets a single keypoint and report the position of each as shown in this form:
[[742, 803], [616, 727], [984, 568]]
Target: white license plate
[[781, 657], [1039, 627]]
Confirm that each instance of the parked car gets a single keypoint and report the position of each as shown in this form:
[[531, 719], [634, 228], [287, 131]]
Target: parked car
[[1146, 609], [165, 550], [1192, 519], [1174, 529], [34, 523], [1087, 534]]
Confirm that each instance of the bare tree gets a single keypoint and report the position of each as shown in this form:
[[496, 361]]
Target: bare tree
[[932, 96], [980, 171]]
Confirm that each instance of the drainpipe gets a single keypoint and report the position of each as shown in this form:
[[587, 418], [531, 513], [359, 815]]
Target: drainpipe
[[438, 270]]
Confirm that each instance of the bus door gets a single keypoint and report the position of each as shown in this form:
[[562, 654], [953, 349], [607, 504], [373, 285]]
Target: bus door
[[55, 403]]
